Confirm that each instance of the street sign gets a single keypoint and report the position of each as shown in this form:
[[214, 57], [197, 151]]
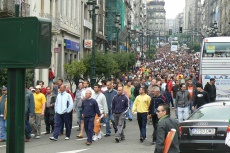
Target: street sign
[[25, 43]]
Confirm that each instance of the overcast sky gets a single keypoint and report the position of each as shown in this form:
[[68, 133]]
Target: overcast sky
[[173, 8]]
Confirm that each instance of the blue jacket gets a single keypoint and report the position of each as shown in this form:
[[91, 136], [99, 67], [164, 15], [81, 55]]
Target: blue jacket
[[120, 104], [90, 108], [64, 103], [109, 97], [29, 103]]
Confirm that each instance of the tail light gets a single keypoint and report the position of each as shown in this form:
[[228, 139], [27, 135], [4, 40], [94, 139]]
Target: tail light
[[228, 129], [180, 128]]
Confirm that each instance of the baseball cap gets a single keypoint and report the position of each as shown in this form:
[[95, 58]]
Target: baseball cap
[[38, 87], [199, 85]]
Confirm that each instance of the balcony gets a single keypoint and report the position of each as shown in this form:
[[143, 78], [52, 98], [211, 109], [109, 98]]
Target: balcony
[[156, 10], [156, 17], [55, 21], [156, 3], [7, 9]]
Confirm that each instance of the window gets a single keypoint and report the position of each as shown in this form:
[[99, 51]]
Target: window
[[207, 113], [67, 8], [216, 49]]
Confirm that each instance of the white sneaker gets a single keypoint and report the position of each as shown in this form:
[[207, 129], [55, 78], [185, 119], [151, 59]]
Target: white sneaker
[[66, 138], [95, 138], [102, 134], [104, 124], [32, 135], [99, 135], [37, 137]]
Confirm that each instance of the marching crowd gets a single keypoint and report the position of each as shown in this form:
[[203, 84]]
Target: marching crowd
[[150, 91]]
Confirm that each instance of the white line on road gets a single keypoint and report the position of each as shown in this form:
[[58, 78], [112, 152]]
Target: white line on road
[[74, 151], [2, 146]]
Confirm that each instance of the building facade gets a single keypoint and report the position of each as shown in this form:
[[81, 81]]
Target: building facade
[[156, 18]]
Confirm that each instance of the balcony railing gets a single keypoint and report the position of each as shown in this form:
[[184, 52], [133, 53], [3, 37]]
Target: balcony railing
[[156, 10], [156, 3]]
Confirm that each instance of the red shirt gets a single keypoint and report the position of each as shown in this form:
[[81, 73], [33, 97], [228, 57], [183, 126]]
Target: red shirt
[[71, 95], [43, 90], [51, 74], [170, 85]]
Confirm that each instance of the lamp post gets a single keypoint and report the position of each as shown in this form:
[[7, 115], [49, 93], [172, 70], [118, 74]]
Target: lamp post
[[93, 9], [159, 39], [129, 32], [118, 27], [213, 31], [142, 49]]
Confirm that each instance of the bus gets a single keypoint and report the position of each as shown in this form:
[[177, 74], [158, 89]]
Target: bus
[[215, 63], [174, 46]]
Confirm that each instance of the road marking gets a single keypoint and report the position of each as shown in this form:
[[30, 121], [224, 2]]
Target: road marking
[[74, 151], [81, 139], [2, 146]]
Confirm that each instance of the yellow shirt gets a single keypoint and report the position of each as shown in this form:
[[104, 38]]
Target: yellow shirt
[[39, 100], [128, 91], [141, 104]]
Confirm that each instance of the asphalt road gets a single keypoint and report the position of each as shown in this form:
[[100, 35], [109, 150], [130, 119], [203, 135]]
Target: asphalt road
[[107, 144]]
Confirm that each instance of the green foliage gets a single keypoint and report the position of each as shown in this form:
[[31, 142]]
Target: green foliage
[[150, 53], [3, 77], [29, 77], [74, 70], [109, 64], [196, 47]]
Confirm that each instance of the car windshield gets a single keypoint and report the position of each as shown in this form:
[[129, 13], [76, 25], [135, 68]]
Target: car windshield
[[211, 113]]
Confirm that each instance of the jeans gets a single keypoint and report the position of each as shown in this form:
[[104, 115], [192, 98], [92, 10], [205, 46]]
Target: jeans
[[169, 99], [60, 120], [130, 109], [79, 115], [108, 119], [2, 128], [142, 122], [27, 127], [183, 113]]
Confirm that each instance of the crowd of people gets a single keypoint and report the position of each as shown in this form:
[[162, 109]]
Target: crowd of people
[[151, 90]]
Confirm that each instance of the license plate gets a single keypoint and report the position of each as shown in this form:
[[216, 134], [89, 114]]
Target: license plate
[[203, 131]]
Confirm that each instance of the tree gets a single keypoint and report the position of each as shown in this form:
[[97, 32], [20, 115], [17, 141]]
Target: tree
[[150, 54], [105, 65], [3, 77], [196, 47], [73, 70]]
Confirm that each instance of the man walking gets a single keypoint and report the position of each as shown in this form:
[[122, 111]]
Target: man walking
[[3, 111], [141, 106], [89, 110], [128, 90], [182, 103], [40, 101], [201, 97], [120, 105], [29, 112], [49, 111], [63, 106], [192, 90], [109, 94], [165, 124], [156, 100], [210, 88], [102, 104]]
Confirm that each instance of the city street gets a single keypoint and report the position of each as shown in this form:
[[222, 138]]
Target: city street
[[107, 144]]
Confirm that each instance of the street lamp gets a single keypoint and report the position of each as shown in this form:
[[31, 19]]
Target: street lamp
[[213, 30], [93, 10], [118, 27], [129, 32], [142, 49]]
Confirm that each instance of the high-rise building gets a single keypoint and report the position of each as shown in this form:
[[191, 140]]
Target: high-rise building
[[156, 17]]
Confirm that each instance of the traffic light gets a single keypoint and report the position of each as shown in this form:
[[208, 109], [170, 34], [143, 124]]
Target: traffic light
[[180, 30], [170, 31]]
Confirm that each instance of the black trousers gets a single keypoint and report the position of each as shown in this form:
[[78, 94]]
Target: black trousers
[[49, 120], [154, 121]]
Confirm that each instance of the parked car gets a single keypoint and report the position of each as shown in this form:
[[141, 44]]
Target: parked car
[[206, 129]]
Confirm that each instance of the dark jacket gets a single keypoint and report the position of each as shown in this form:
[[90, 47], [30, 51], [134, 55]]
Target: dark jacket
[[90, 108], [120, 104], [136, 91], [201, 98], [155, 101], [211, 89], [52, 103], [163, 127], [109, 97]]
